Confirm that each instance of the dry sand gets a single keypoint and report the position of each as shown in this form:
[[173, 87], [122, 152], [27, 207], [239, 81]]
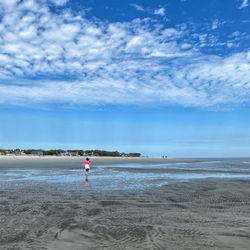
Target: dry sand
[[204, 214]]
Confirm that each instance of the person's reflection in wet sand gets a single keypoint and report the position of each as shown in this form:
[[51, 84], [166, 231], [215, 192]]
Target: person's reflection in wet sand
[[86, 185]]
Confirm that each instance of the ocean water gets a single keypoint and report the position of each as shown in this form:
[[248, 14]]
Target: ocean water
[[128, 176]]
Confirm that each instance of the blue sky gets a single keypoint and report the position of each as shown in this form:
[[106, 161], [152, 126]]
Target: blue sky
[[157, 77]]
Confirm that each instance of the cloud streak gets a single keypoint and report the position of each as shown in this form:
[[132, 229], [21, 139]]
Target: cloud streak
[[49, 57], [244, 4], [159, 11]]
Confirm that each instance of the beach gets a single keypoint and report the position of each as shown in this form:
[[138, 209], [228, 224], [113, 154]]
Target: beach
[[142, 203]]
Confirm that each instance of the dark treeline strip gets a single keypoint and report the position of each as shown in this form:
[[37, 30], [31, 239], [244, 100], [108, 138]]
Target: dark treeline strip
[[61, 152]]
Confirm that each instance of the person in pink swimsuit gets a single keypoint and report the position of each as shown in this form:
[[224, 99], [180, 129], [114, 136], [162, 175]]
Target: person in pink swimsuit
[[86, 166]]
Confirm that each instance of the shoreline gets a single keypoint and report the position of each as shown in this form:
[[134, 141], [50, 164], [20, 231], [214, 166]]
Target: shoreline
[[120, 158], [69, 162], [62, 162], [123, 157]]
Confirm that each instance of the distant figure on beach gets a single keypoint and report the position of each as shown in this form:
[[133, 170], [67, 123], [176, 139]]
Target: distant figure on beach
[[87, 167]]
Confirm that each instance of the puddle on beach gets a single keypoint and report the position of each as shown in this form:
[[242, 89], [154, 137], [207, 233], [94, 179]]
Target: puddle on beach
[[131, 176]]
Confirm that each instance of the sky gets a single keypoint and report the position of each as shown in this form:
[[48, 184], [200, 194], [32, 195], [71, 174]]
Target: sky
[[157, 77]]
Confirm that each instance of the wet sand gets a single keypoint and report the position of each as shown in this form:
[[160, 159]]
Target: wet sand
[[199, 214], [70, 162]]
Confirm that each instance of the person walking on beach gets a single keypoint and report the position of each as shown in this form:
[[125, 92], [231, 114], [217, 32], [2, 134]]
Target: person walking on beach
[[87, 167]]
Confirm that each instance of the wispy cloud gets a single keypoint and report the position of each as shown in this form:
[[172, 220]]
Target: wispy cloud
[[244, 4], [137, 7], [59, 2], [49, 57], [215, 24], [158, 11]]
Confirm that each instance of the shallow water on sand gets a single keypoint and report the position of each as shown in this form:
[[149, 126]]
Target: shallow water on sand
[[129, 176]]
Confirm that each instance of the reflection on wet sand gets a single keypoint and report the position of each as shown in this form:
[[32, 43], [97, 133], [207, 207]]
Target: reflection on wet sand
[[86, 185], [130, 176]]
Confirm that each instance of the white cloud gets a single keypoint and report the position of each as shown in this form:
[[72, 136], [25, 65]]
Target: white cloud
[[244, 4], [73, 60], [8, 3], [186, 46], [137, 7], [160, 11], [59, 2], [215, 24]]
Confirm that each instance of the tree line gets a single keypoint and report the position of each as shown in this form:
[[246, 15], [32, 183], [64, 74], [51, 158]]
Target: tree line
[[71, 152]]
